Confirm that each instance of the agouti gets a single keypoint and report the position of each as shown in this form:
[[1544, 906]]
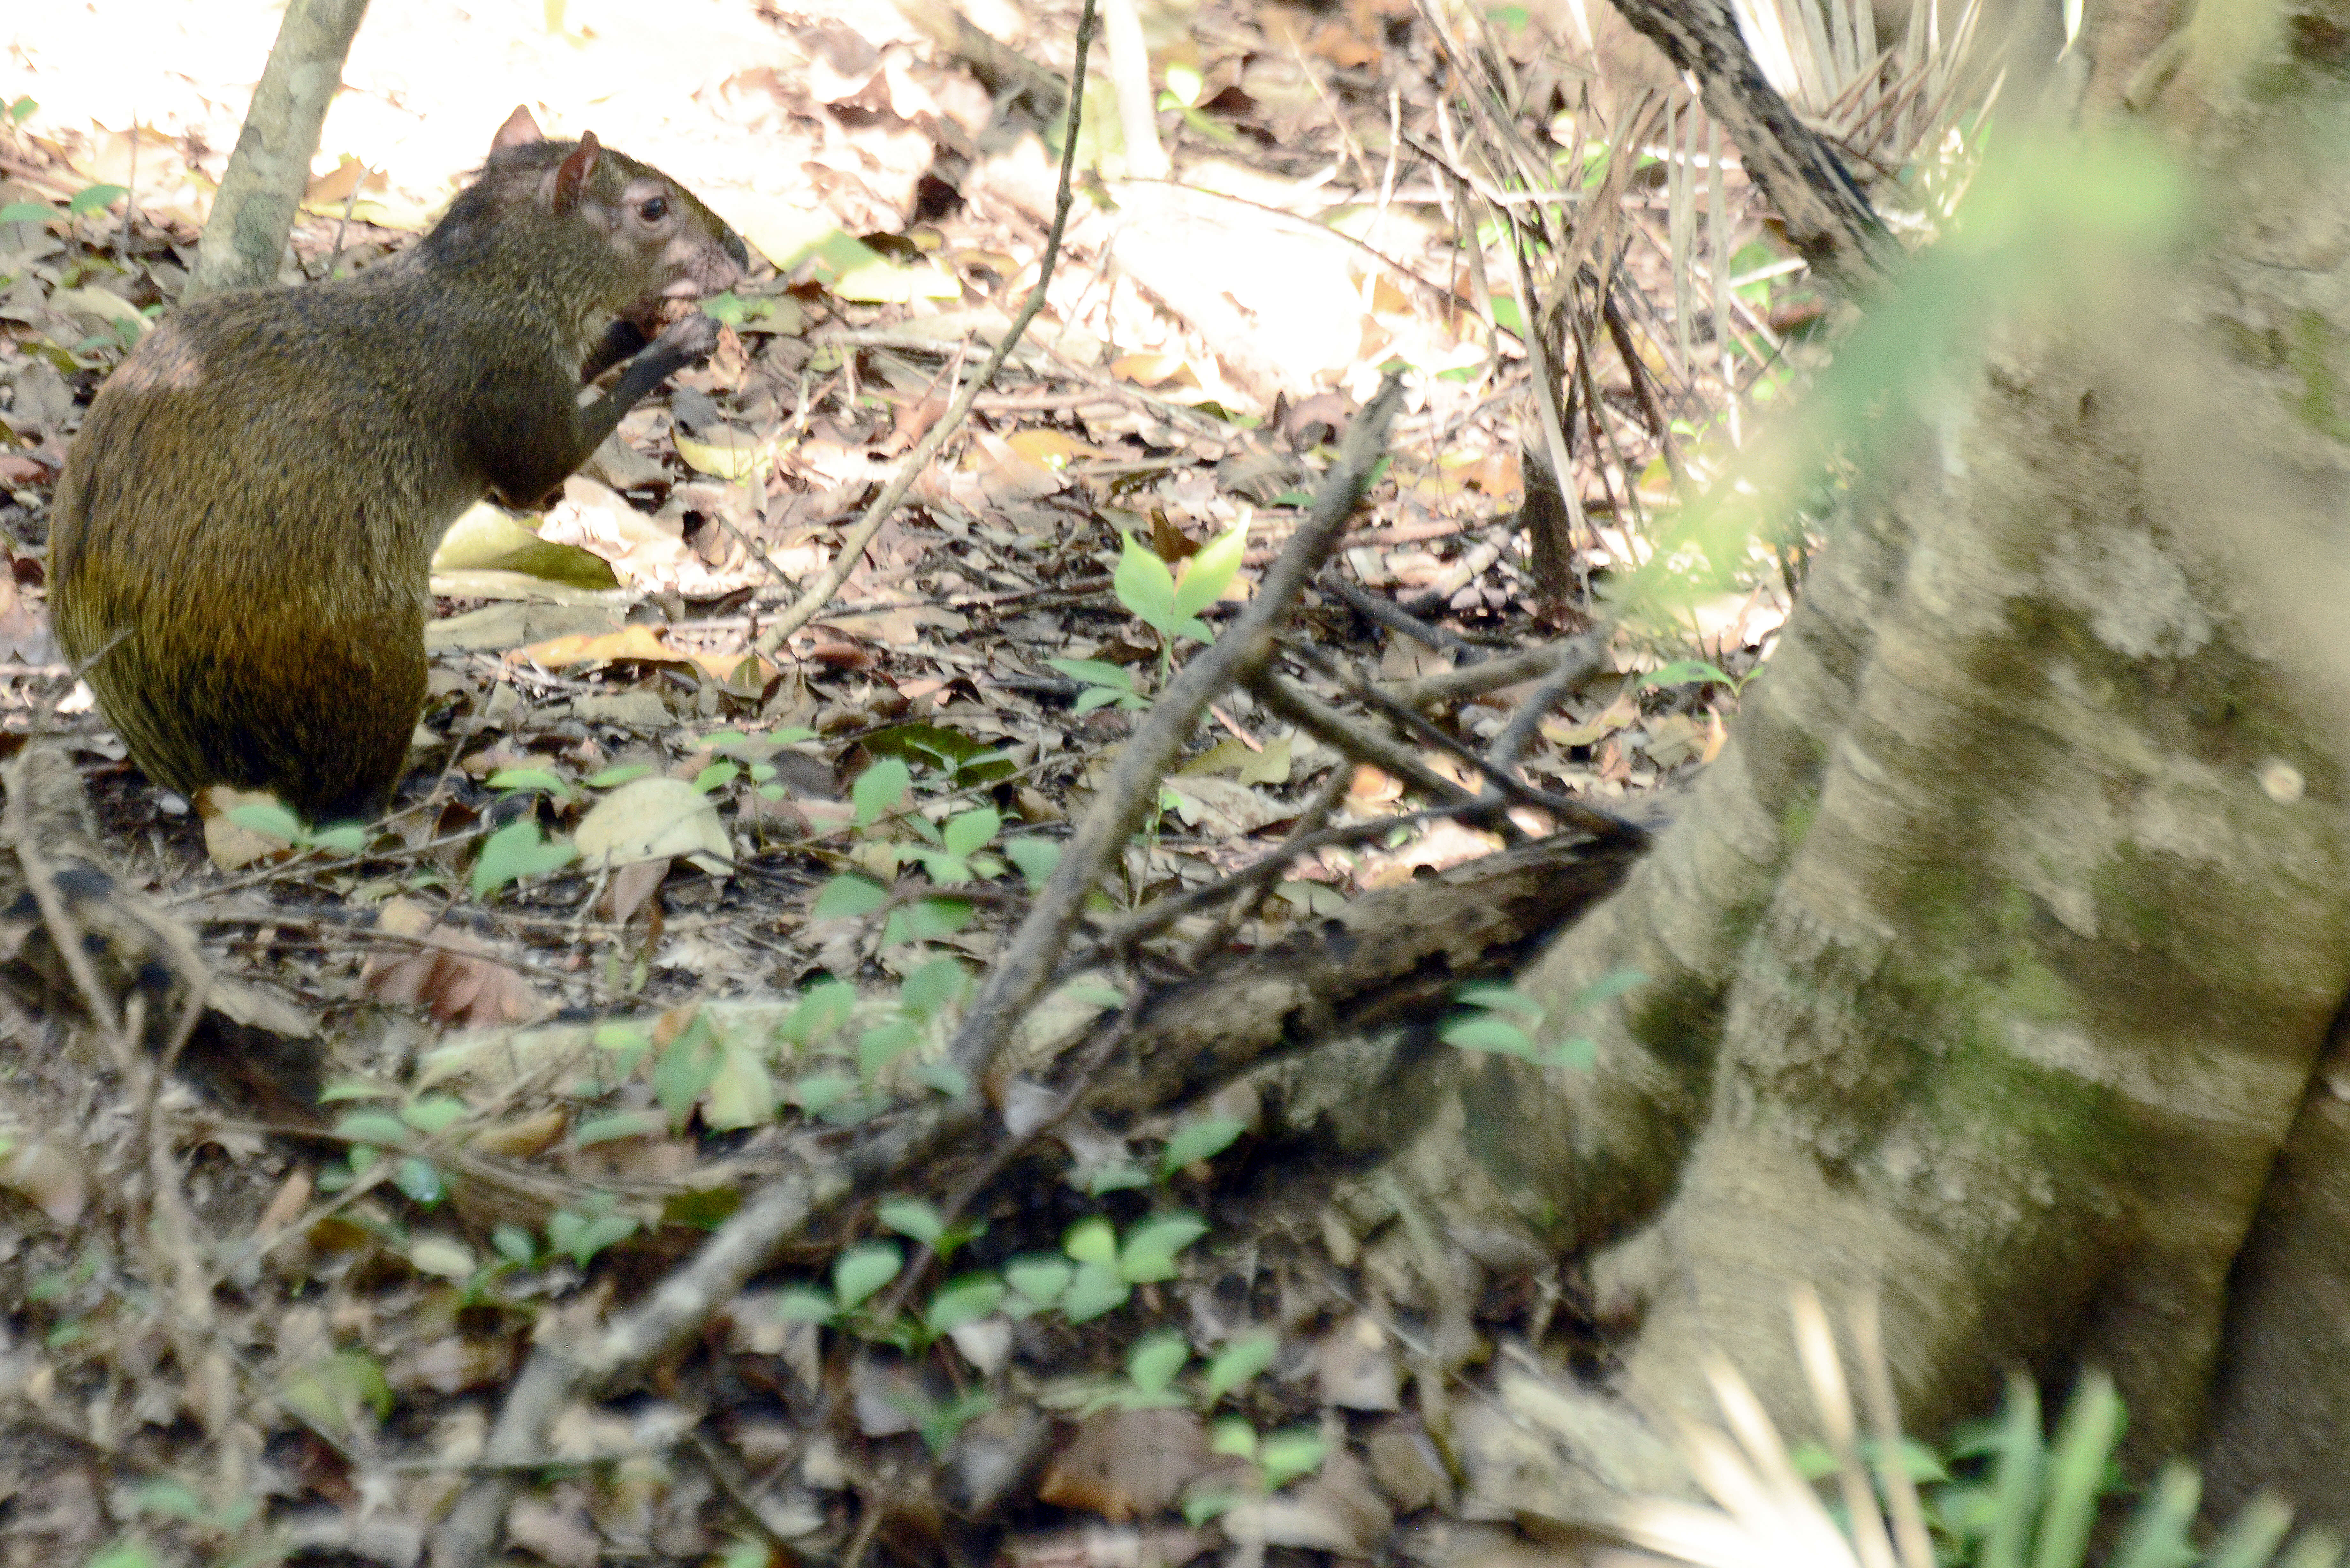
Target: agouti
[[242, 537]]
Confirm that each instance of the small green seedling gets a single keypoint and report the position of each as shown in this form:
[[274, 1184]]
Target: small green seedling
[[1103, 683], [272, 820]]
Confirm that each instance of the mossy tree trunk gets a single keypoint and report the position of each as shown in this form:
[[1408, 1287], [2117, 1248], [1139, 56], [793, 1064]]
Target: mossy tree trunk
[[1996, 960]]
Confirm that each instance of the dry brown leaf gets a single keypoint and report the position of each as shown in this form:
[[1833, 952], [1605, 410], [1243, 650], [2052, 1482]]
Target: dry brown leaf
[[453, 1364], [1150, 370], [634, 641], [1098, 1546], [1337, 1511], [560, 1535], [1054, 449], [1407, 1468], [458, 989], [1623, 711], [630, 886], [1371, 788], [1356, 1365], [457, 981], [1444, 844], [48, 1175], [230, 845], [523, 1137], [1124, 1464]]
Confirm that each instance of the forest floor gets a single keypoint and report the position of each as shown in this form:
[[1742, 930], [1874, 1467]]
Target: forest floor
[[654, 901]]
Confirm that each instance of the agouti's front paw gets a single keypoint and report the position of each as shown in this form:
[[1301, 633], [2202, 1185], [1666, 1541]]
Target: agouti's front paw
[[691, 336]]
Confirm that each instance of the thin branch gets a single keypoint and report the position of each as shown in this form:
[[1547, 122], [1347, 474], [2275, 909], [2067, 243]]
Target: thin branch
[[1026, 964]]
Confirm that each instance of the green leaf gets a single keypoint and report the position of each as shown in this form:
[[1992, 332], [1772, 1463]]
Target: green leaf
[[1606, 987], [2158, 1532], [912, 1219], [1145, 587], [717, 775], [884, 1042], [269, 819], [432, 1113], [514, 780], [614, 777], [1210, 572], [928, 920], [819, 1092], [1096, 1288], [1039, 1277], [1149, 1254], [420, 1179], [1155, 1360], [933, 987], [619, 1124], [1485, 1032], [1093, 696], [22, 110], [27, 212], [2077, 1472], [1096, 672], [1117, 1176], [95, 197], [1576, 1054], [336, 1389], [515, 851], [972, 831], [373, 1127], [965, 1299], [822, 1008], [687, 1066], [1091, 1241], [514, 1245], [848, 896], [2252, 1537], [860, 1271], [1034, 856], [1232, 1437], [1198, 1140], [879, 789], [945, 1076], [1285, 1456], [1499, 996], [1237, 1361], [169, 1500], [804, 1303], [581, 1237], [940, 1422]]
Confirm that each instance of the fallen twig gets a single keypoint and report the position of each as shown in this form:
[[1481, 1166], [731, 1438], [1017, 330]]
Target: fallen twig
[[1025, 965]]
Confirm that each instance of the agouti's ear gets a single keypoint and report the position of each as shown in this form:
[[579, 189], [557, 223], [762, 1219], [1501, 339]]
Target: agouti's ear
[[571, 176], [519, 130]]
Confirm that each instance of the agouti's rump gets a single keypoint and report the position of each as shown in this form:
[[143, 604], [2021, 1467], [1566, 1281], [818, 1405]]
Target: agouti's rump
[[243, 533]]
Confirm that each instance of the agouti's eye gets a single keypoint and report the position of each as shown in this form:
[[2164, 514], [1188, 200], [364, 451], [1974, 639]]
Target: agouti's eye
[[654, 209]]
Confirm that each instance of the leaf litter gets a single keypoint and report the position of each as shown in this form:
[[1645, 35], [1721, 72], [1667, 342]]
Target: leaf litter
[[654, 903]]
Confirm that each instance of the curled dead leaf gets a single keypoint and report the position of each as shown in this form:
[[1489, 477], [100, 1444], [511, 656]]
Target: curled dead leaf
[[1125, 1464]]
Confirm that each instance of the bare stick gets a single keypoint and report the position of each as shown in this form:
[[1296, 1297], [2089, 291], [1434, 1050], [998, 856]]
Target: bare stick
[[852, 544], [1027, 962], [1476, 680]]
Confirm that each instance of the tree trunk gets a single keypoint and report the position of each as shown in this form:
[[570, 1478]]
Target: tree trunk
[[245, 233], [1992, 964]]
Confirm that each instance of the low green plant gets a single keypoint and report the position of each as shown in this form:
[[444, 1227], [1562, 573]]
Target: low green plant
[[1492, 1015]]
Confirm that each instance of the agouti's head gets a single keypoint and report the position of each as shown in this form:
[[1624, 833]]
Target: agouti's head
[[591, 232]]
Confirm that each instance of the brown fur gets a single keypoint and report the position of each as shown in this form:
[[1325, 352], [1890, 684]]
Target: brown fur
[[249, 512]]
